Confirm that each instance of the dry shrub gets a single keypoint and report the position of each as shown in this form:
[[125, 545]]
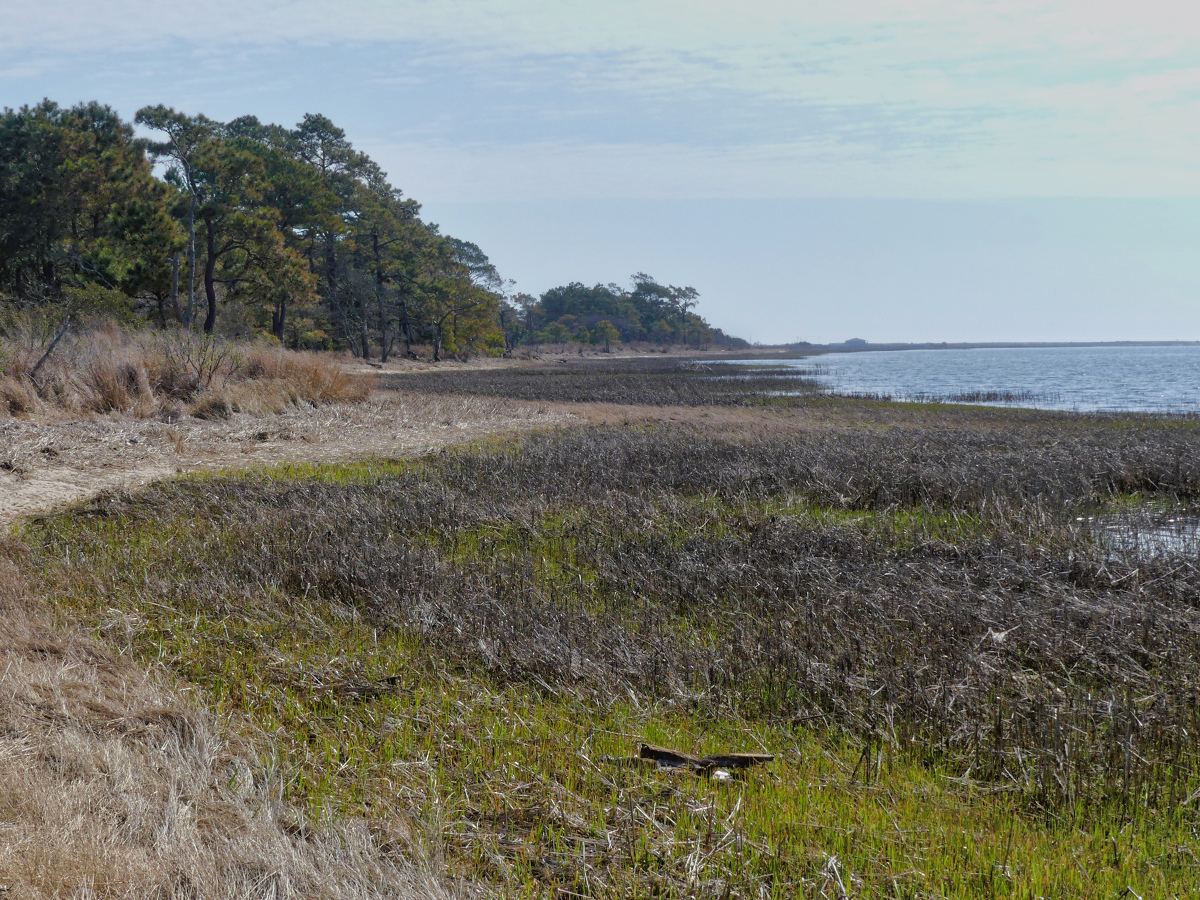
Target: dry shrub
[[213, 404], [17, 395], [116, 385], [305, 376], [110, 786], [100, 371], [110, 370], [266, 381]]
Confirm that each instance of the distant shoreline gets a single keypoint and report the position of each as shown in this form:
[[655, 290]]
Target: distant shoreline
[[805, 349]]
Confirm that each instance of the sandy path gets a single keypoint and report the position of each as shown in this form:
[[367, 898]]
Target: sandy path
[[47, 463]]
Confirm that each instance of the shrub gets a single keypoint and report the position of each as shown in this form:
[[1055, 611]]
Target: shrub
[[105, 369]]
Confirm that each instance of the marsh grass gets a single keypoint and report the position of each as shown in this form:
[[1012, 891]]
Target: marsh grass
[[656, 382], [699, 383], [967, 695]]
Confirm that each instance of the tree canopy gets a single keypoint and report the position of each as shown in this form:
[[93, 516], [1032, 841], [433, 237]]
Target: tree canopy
[[647, 311], [250, 228]]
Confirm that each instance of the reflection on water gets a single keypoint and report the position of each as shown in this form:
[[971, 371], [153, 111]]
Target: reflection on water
[[1148, 535]]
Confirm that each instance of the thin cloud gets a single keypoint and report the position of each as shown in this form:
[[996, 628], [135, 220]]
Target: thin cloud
[[905, 95], [821, 167]]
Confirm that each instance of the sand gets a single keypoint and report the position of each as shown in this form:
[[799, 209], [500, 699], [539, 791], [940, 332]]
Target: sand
[[45, 463]]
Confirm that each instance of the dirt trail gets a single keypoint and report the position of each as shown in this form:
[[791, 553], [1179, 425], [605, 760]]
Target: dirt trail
[[45, 463]]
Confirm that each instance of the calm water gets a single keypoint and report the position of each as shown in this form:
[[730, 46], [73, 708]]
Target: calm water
[[1138, 379], [1146, 534]]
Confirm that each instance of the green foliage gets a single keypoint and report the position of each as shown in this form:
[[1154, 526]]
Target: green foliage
[[605, 333], [78, 205], [650, 311], [291, 231], [94, 301], [493, 344]]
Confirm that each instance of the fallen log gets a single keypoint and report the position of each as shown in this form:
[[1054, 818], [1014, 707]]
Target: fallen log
[[737, 760], [666, 757]]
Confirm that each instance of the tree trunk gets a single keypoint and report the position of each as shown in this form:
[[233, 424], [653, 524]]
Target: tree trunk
[[405, 327], [191, 301], [279, 319], [509, 343], [174, 286], [331, 277], [210, 281], [384, 343]]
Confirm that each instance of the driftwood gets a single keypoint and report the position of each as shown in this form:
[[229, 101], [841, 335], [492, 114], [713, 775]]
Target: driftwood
[[45, 356], [701, 765]]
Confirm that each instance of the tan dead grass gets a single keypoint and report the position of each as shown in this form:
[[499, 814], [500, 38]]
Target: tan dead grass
[[835, 413], [166, 374], [111, 785]]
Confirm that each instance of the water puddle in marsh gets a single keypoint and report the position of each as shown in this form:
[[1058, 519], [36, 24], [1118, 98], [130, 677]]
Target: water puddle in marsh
[[1147, 534]]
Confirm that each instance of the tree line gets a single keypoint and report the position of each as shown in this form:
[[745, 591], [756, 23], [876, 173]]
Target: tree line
[[246, 228]]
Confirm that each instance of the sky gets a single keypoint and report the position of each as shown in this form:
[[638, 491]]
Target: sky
[[898, 171]]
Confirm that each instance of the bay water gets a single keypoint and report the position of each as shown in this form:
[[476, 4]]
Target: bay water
[[1148, 379]]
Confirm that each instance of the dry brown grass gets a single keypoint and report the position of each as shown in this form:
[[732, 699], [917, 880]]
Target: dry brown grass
[[167, 375], [111, 785]]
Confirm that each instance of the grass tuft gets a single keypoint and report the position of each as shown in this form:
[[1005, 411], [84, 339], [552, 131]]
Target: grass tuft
[[106, 370], [112, 785]]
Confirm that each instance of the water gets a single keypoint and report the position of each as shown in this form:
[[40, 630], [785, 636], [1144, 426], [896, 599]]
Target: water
[[1087, 379], [1144, 534]]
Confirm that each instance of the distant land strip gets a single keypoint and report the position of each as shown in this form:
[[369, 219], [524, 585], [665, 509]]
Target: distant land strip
[[806, 349]]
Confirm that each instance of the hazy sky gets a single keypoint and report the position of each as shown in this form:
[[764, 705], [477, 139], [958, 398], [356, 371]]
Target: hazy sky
[[921, 170]]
